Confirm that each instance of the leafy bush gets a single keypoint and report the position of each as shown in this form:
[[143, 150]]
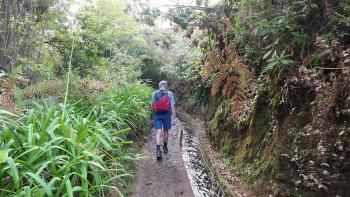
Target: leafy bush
[[43, 89], [71, 150], [122, 107]]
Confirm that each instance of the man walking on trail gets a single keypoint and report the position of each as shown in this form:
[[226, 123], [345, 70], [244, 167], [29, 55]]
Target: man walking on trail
[[163, 106]]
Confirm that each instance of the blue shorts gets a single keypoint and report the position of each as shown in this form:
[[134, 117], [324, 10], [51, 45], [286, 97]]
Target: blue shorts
[[162, 121]]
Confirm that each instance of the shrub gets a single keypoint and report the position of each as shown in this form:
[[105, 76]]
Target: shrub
[[71, 150]]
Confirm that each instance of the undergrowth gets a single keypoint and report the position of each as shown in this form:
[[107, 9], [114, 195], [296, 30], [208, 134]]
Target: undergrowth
[[282, 69], [77, 150]]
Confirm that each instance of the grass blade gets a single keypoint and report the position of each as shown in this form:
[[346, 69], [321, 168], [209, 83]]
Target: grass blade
[[41, 182], [4, 155], [69, 188], [14, 172]]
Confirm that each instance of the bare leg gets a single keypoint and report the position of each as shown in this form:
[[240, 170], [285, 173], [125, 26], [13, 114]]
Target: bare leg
[[158, 153], [165, 136], [158, 131]]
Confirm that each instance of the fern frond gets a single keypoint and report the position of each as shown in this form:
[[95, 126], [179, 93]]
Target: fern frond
[[218, 81], [229, 86]]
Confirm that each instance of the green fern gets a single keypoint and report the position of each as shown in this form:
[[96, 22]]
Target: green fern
[[278, 60]]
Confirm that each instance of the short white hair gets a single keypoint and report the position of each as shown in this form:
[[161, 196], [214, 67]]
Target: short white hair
[[163, 84]]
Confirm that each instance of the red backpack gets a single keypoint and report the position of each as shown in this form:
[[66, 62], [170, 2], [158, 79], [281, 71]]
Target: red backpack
[[161, 103]]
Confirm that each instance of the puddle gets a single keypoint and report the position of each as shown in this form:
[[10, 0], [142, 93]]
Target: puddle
[[202, 180]]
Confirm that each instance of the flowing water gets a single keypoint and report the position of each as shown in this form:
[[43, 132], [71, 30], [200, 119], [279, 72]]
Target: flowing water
[[202, 180]]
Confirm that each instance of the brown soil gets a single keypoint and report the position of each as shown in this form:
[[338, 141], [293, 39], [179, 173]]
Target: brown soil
[[231, 183], [164, 178]]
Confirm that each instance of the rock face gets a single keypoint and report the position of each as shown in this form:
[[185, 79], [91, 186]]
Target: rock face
[[286, 143]]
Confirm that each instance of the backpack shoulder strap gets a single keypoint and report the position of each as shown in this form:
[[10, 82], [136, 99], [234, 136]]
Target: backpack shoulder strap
[[158, 94]]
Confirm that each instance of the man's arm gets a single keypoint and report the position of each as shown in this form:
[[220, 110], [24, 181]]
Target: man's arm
[[174, 114], [173, 110]]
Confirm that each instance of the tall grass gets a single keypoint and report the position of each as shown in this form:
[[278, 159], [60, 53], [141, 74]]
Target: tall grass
[[73, 150]]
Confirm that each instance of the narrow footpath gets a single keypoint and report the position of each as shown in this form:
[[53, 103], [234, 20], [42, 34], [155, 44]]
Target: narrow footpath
[[166, 177], [185, 170]]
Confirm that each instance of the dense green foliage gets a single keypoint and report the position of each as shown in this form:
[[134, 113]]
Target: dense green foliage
[[76, 149], [80, 148], [270, 78], [273, 86], [106, 41]]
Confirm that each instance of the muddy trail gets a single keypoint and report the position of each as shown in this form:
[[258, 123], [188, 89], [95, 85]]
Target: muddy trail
[[181, 172]]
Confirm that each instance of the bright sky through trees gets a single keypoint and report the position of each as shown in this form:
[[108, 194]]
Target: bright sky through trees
[[153, 3]]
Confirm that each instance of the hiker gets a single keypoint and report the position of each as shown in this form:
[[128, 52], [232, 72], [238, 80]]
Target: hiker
[[163, 106]]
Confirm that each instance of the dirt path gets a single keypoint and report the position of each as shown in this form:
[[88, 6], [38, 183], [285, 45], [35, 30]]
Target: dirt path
[[165, 178], [185, 170]]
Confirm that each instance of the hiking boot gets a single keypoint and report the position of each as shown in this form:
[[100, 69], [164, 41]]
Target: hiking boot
[[159, 154], [165, 149]]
